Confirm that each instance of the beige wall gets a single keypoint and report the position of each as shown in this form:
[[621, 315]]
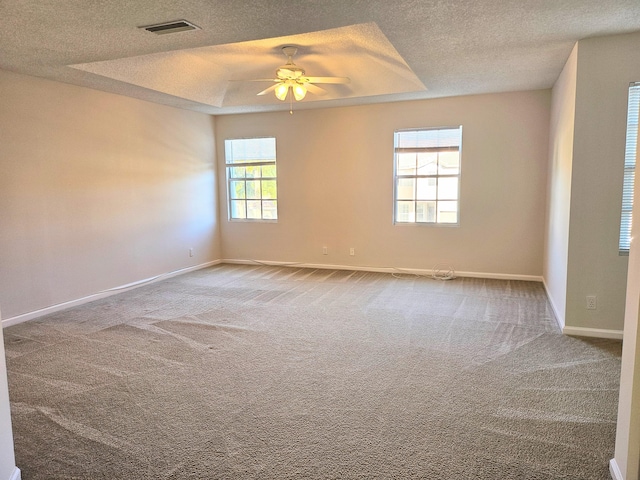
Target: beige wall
[[606, 66], [335, 186], [563, 104], [98, 190]]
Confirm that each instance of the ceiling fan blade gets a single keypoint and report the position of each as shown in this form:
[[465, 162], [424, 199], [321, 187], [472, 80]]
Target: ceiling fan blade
[[261, 80], [315, 89], [267, 90], [328, 79]]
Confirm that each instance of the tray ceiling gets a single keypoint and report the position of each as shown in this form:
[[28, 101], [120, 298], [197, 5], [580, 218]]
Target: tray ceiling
[[220, 75]]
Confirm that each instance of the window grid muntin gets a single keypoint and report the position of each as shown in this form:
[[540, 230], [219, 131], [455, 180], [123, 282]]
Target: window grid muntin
[[454, 132]]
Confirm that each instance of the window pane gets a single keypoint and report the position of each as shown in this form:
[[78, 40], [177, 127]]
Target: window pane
[[449, 163], [447, 188], [253, 188], [269, 189], [428, 192], [236, 172], [406, 189], [427, 163], [268, 171], [238, 209], [406, 164], [253, 172], [426, 188], [270, 209], [236, 189], [254, 209], [405, 212], [447, 212], [426, 212]]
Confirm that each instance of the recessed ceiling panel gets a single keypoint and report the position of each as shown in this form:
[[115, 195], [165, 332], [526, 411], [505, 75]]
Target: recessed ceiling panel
[[220, 75]]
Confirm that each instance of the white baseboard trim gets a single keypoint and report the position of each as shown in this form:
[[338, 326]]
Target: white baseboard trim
[[416, 271], [580, 331], [501, 276], [616, 474], [15, 475], [99, 295], [577, 331], [556, 311], [593, 332]]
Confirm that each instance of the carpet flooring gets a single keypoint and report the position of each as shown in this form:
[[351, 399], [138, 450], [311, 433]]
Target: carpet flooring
[[261, 372]]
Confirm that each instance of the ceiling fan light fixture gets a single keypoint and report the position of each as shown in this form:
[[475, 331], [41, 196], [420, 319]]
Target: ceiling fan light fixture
[[299, 91], [281, 91], [291, 80]]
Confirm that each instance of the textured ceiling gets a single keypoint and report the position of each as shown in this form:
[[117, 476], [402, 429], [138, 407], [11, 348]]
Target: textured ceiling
[[400, 50]]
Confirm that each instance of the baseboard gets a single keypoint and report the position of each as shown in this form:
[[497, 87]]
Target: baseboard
[[593, 332], [103, 294], [501, 276], [15, 475], [416, 271], [616, 474], [554, 308], [576, 331]]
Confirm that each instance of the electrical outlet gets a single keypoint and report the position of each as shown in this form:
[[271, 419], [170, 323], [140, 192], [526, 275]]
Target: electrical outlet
[[191, 252], [352, 251], [591, 302], [325, 251]]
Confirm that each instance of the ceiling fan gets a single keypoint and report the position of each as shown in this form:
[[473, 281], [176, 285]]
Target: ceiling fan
[[292, 80]]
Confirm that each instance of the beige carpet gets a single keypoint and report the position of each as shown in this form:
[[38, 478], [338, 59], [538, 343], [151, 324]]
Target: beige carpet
[[237, 372]]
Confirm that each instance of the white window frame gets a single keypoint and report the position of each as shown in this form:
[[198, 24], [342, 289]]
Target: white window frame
[[251, 152], [629, 168], [438, 145]]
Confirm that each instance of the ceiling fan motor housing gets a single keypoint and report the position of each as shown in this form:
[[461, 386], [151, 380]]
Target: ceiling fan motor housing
[[290, 71]]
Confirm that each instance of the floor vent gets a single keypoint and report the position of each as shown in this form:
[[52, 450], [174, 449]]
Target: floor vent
[[171, 27]]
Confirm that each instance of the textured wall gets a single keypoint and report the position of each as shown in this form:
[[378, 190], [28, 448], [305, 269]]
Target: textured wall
[[606, 66], [335, 183], [98, 190], [563, 105]]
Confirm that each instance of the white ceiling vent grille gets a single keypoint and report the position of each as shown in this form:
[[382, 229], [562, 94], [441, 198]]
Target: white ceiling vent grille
[[171, 27]]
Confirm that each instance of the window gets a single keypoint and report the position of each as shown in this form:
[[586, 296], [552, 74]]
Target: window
[[251, 178], [629, 168], [427, 175]]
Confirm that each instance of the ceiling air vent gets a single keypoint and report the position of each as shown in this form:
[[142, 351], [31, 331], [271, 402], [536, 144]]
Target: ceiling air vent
[[171, 27]]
